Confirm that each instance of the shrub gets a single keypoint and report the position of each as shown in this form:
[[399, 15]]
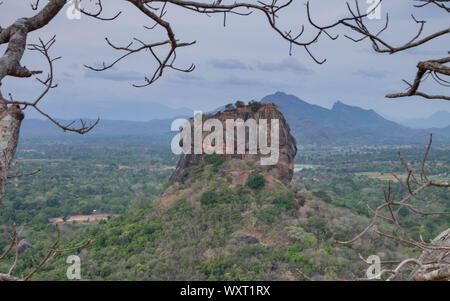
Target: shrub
[[254, 105], [323, 196], [214, 159], [267, 214], [229, 106], [240, 193], [183, 175], [250, 250], [255, 181], [283, 202], [298, 234], [208, 198], [239, 104], [165, 185]]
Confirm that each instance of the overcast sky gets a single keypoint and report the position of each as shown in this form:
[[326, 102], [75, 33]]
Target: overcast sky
[[244, 60]]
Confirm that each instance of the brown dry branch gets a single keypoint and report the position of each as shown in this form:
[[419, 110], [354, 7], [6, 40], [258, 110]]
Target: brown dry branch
[[439, 3], [156, 10], [11, 112], [97, 14], [20, 175], [48, 83], [428, 267], [22, 245], [356, 22], [303, 275]]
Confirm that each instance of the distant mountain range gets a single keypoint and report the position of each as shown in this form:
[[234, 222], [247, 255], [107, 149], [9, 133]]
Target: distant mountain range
[[344, 124], [310, 124], [35, 128], [131, 110], [439, 119]]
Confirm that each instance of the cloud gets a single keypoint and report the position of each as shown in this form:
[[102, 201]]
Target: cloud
[[229, 64], [371, 73], [114, 75], [237, 81], [287, 64], [424, 52], [188, 76]]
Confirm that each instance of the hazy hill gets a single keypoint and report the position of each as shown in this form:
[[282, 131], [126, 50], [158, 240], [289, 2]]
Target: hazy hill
[[443, 131], [342, 124], [310, 124], [125, 110], [44, 128], [439, 119]]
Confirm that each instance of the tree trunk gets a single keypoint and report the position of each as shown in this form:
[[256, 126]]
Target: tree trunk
[[10, 120], [11, 117]]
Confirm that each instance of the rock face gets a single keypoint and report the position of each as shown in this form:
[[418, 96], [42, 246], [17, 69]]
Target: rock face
[[283, 170]]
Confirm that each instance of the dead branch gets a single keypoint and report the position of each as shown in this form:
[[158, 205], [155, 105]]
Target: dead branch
[[22, 245], [434, 67], [156, 14], [20, 175], [356, 23], [54, 249], [48, 83], [97, 14], [440, 247], [13, 240], [303, 275]]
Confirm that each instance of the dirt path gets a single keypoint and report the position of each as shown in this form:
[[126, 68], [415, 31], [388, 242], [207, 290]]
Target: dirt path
[[82, 218]]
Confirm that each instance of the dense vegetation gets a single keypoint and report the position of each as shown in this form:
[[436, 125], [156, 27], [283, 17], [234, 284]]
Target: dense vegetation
[[208, 227], [78, 178], [355, 178]]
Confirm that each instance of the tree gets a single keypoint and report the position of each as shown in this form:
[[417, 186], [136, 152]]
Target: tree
[[256, 181], [356, 23], [254, 105], [434, 263], [15, 36], [239, 104], [22, 245]]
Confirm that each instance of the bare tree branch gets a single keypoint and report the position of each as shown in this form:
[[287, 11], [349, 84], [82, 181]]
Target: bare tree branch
[[355, 22], [440, 247], [54, 249], [22, 245]]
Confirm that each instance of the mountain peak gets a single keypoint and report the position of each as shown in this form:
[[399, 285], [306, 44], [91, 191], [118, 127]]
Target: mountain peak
[[338, 105]]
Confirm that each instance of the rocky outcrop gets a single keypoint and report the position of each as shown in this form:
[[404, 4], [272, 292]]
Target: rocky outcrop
[[283, 170]]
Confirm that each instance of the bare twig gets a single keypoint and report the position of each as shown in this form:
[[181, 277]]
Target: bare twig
[[432, 269], [54, 249]]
